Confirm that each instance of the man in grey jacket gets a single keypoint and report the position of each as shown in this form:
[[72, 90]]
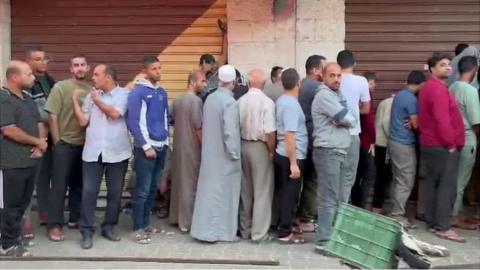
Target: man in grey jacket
[[331, 139]]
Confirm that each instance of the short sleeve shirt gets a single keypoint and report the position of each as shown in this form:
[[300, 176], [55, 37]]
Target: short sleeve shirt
[[60, 103], [469, 103], [404, 105], [105, 136], [257, 115], [355, 90], [21, 112], [290, 118]]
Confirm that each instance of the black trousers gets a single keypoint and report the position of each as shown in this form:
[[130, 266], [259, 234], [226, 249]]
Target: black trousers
[[92, 178], [440, 192], [364, 180], [67, 173], [18, 185], [383, 177], [288, 193], [43, 179]]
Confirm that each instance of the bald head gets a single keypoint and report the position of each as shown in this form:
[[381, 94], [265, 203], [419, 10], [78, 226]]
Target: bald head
[[332, 74], [19, 75], [257, 78], [197, 81]]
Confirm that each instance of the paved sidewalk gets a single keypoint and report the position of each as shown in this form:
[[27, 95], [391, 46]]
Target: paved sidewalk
[[172, 244]]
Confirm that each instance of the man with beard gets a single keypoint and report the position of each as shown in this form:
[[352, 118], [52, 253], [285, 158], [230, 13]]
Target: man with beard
[[68, 139], [22, 142]]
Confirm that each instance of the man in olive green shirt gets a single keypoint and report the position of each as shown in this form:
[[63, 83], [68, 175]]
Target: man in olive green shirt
[[68, 139], [468, 101]]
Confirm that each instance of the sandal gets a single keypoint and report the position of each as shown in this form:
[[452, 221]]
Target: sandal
[[297, 229], [451, 235], [292, 239], [56, 235], [465, 226], [152, 230], [140, 237], [308, 227], [28, 231]]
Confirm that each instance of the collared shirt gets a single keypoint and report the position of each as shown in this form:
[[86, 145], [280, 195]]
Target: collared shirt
[[382, 122], [467, 97], [21, 112], [290, 118], [355, 90], [106, 136], [440, 120], [257, 115], [403, 107]]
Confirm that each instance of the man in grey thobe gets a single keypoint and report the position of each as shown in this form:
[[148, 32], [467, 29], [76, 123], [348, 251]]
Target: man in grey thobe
[[215, 214]]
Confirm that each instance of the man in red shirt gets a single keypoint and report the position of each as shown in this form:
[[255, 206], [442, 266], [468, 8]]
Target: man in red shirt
[[441, 137]]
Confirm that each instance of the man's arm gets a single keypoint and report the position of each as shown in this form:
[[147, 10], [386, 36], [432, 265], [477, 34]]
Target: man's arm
[[364, 107], [364, 97], [54, 127], [231, 134], [14, 133], [133, 120], [414, 121], [82, 118], [111, 111], [442, 118], [271, 141]]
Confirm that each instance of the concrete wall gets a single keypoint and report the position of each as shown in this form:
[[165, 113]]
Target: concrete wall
[[4, 37], [259, 37]]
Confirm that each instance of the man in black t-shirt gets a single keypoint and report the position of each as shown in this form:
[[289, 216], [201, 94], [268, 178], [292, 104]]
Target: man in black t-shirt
[[22, 143]]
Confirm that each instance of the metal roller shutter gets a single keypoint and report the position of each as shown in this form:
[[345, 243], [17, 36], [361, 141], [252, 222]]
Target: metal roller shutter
[[395, 37], [121, 32]]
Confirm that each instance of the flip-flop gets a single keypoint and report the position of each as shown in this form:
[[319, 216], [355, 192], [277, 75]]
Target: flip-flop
[[454, 238], [465, 226], [292, 239]]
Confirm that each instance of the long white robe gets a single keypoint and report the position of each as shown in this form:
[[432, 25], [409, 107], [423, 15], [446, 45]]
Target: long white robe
[[215, 214]]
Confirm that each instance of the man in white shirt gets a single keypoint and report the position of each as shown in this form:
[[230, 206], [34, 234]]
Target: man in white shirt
[[257, 129], [355, 90], [107, 150]]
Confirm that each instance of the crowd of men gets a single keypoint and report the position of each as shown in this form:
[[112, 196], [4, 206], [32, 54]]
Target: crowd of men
[[248, 162]]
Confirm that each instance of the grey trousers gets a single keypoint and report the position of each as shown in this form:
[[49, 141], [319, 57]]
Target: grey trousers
[[350, 171], [404, 165], [330, 165], [441, 170], [465, 168], [256, 194]]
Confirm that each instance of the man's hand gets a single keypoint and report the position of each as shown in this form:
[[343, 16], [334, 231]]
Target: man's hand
[[151, 154], [95, 94], [294, 171], [77, 93], [42, 144], [408, 125], [371, 150], [36, 153]]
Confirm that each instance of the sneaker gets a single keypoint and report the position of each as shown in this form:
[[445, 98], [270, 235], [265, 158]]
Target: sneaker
[[17, 251]]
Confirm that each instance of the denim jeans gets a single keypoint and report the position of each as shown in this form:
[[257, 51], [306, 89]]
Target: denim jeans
[[92, 179], [330, 166], [148, 173]]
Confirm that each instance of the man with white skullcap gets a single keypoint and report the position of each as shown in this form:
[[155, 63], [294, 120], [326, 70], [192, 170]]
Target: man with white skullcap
[[215, 214]]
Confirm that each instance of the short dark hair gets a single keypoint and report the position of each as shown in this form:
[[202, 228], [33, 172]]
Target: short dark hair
[[207, 58], [290, 78], [435, 58], [467, 63], [345, 59], [416, 77], [460, 47], [275, 71], [30, 48], [370, 76], [110, 70], [12, 70], [149, 59], [78, 55], [313, 61]]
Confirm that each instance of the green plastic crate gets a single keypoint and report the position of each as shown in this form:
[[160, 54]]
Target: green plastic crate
[[364, 239]]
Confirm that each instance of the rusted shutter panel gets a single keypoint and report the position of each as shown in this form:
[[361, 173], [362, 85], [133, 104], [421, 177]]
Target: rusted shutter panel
[[121, 32], [392, 38]]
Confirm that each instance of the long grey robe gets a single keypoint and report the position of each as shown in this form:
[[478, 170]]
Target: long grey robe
[[187, 114], [215, 214]]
